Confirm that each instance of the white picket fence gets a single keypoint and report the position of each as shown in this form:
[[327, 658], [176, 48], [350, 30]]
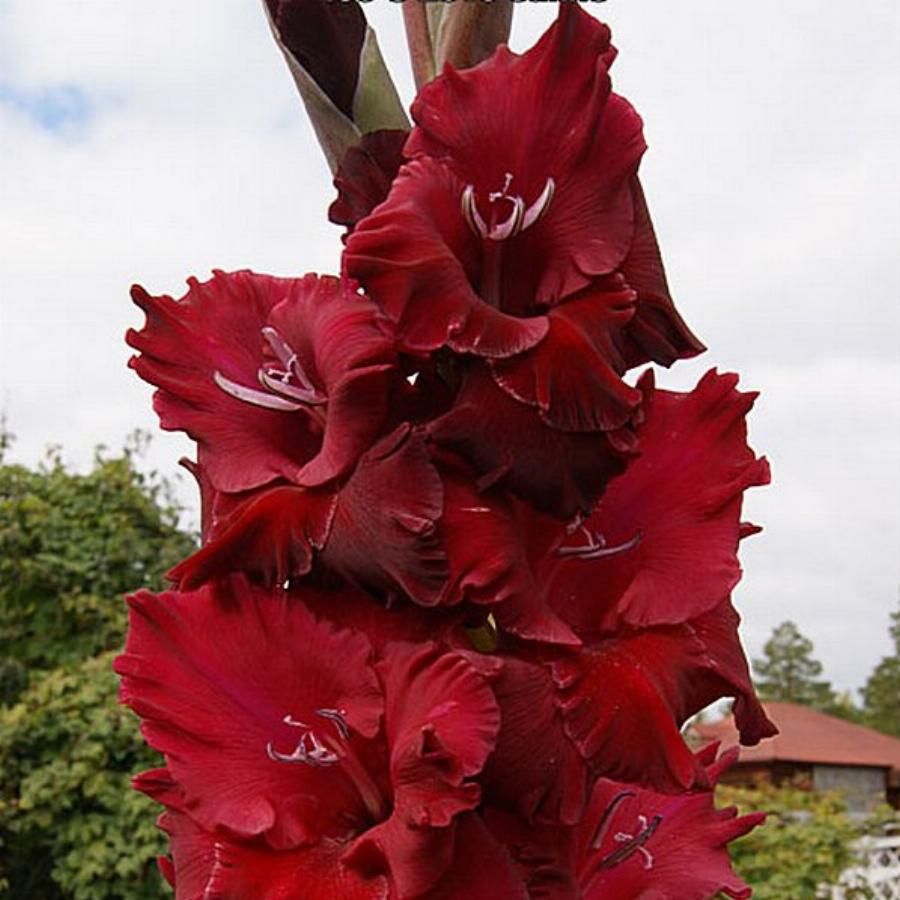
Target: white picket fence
[[878, 869]]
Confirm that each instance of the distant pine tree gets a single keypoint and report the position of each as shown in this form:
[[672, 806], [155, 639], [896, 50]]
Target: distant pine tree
[[881, 694], [789, 672]]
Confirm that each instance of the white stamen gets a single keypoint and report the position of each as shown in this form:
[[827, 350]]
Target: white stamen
[[280, 385], [251, 395], [519, 218], [596, 546], [539, 207]]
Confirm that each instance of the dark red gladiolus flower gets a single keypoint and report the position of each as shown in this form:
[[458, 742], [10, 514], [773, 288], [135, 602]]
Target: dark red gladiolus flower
[[661, 545], [286, 731], [273, 377], [638, 843], [502, 235]]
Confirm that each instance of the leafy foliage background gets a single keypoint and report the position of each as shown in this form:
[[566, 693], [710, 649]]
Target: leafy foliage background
[[70, 546]]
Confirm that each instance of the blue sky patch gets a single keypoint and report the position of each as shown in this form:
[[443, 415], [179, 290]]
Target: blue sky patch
[[60, 109]]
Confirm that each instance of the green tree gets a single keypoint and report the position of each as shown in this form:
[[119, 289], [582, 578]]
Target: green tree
[[70, 546], [788, 671], [881, 693], [806, 841]]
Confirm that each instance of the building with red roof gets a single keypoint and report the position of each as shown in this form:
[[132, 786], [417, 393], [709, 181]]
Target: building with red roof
[[815, 751]]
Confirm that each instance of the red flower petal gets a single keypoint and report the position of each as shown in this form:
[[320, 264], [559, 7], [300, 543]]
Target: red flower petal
[[255, 872], [222, 690], [535, 769], [542, 854], [312, 338], [625, 699], [675, 514], [657, 332], [384, 526], [481, 868], [638, 843], [508, 445], [344, 343], [216, 327], [573, 375], [441, 720], [484, 543], [377, 530], [589, 142], [417, 258], [272, 537]]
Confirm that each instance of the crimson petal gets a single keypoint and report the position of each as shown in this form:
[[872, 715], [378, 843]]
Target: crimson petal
[[223, 691], [377, 530], [441, 721], [256, 872], [207, 352], [416, 256], [509, 445], [638, 843], [272, 537], [674, 514], [484, 543], [625, 699], [657, 332], [573, 375], [536, 770], [216, 327], [364, 176]]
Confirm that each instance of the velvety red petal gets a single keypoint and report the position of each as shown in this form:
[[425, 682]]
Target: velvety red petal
[[638, 843], [255, 872], [383, 535], [674, 515], [543, 855], [346, 346], [228, 691], [509, 445], [208, 351], [216, 327], [586, 140], [657, 332], [535, 770], [191, 855], [272, 537], [483, 539], [416, 257], [482, 118], [364, 175], [481, 868], [624, 700], [621, 704], [574, 375], [441, 721], [377, 530]]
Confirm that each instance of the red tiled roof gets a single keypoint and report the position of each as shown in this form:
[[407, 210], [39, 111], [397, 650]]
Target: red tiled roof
[[809, 736]]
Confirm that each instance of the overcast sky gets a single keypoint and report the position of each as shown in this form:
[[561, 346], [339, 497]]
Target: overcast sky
[[150, 141]]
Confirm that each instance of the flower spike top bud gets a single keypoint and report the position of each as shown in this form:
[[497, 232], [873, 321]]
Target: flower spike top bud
[[334, 58]]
